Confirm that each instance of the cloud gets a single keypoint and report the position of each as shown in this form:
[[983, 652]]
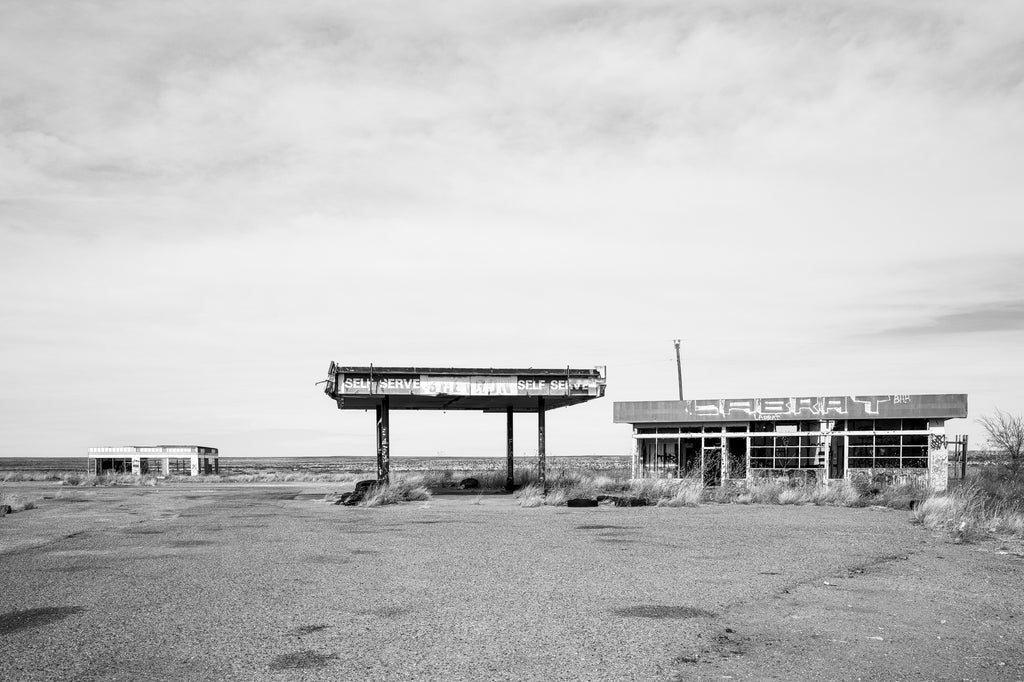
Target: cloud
[[359, 102], [984, 318]]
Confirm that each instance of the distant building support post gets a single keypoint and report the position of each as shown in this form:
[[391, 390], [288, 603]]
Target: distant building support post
[[541, 464], [635, 456], [963, 458], [165, 466], [383, 442], [938, 455], [193, 469], [509, 455]]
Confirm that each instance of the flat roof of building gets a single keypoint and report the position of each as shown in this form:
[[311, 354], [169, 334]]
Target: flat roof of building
[[486, 389], [153, 449], [890, 406]]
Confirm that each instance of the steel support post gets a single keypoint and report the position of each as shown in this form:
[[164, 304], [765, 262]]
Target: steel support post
[[541, 455], [377, 427], [383, 442], [509, 464]]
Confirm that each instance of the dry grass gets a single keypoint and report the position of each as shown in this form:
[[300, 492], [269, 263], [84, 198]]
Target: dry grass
[[274, 477], [531, 495], [18, 503], [404, 490], [671, 492], [837, 493], [576, 482], [78, 479], [765, 492], [34, 475], [793, 496], [688, 493], [979, 507]]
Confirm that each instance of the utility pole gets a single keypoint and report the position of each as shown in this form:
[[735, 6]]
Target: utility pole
[[679, 368]]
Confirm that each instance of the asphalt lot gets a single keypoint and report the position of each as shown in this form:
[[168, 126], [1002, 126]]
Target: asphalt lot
[[233, 581]]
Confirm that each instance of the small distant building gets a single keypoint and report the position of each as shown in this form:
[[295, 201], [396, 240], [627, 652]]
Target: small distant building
[[816, 439], [186, 460]]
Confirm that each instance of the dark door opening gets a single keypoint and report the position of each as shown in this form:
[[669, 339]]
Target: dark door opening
[[837, 457], [713, 466], [690, 456], [737, 449]]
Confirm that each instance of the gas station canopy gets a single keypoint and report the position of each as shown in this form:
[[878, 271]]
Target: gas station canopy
[[462, 388]]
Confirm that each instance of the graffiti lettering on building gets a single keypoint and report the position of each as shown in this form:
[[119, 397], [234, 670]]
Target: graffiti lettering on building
[[795, 407]]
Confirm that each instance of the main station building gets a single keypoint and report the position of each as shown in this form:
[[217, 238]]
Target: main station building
[[817, 439]]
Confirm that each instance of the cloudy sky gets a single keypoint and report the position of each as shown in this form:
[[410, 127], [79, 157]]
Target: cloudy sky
[[203, 204]]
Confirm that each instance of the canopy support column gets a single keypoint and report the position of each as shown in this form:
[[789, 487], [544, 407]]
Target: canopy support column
[[541, 455], [383, 442], [509, 464]]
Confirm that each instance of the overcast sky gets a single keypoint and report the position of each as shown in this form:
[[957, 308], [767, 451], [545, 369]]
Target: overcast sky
[[203, 204]]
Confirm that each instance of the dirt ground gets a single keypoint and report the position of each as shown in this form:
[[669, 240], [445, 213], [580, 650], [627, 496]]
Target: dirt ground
[[229, 581]]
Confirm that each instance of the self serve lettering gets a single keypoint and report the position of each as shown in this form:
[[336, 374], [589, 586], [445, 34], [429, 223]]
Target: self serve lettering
[[463, 386]]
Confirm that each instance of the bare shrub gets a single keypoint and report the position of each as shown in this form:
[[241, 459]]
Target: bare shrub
[[1005, 434]]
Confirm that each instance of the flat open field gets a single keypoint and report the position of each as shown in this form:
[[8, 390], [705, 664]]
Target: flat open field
[[231, 581]]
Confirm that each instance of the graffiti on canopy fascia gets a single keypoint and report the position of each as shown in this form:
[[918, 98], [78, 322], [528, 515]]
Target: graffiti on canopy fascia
[[776, 408]]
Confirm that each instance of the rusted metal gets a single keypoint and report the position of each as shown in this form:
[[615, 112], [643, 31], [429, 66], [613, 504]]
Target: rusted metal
[[509, 454]]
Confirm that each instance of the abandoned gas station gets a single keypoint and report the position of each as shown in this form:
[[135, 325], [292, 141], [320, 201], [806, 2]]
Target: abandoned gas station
[[816, 439], [186, 460], [528, 390]]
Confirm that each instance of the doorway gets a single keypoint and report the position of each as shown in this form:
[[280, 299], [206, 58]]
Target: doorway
[[737, 452], [837, 458], [713, 466]]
